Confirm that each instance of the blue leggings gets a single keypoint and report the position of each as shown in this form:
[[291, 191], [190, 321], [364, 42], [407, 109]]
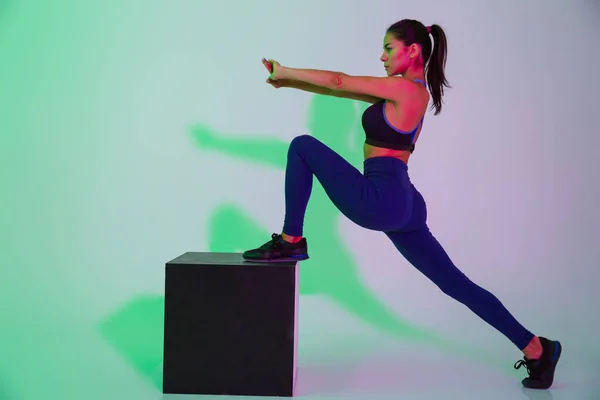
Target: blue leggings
[[384, 199]]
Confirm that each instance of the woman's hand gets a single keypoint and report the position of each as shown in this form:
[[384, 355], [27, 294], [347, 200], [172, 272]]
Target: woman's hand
[[276, 84], [276, 71]]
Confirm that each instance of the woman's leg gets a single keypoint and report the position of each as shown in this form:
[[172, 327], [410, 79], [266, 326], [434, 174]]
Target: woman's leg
[[420, 248], [425, 253], [353, 194], [360, 199]]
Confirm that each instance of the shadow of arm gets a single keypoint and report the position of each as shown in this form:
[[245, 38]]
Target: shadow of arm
[[263, 151]]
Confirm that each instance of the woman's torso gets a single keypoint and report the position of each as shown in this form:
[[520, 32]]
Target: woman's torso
[[403, 115]]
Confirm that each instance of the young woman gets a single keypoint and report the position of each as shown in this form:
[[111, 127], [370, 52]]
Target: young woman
[[382, 198]]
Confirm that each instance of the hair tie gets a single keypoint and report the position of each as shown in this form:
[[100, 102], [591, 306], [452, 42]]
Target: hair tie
[[429, 29]]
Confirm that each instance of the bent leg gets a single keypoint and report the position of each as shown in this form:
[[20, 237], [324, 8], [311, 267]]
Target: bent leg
[[355, 196], [425, 253]]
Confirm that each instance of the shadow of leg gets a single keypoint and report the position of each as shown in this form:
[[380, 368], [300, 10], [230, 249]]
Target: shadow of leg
[[135, 331]]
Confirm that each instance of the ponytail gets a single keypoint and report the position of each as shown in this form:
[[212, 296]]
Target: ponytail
[[436, 76]]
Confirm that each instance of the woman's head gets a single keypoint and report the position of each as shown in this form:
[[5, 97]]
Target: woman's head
[[408, 48]]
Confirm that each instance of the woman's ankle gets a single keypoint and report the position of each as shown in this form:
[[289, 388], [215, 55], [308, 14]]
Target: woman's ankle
[[291, 239], [534, 349]]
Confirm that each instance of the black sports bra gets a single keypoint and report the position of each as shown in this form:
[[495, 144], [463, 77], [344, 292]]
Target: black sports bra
[[379, 132]]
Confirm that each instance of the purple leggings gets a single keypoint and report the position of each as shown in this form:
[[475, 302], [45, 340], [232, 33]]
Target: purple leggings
[[384, 199]]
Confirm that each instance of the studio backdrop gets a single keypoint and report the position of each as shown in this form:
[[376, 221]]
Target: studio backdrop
[[134, 131]]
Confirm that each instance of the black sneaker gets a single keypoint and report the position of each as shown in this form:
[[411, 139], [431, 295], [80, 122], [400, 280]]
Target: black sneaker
[[541, 372], [278, 250]]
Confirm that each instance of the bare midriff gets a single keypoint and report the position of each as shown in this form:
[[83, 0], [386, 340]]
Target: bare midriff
[[374, 151]]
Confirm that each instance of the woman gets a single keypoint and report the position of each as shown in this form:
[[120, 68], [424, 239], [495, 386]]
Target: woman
[[384, 199]]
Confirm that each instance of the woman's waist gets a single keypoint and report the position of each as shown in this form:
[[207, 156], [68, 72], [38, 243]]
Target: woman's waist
[[386, 163], [377, 152]]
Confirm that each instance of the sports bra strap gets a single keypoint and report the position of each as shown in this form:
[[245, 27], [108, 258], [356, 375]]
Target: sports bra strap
[[420, 81]]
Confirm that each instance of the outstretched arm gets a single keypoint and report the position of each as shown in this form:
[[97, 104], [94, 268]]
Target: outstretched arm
[[311, 86], [307, 87], [388, 88]]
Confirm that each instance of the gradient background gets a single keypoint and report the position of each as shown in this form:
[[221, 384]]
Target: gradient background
[[133, 131]]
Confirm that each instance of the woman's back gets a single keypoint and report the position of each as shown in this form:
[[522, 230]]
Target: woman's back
[[393, 127]]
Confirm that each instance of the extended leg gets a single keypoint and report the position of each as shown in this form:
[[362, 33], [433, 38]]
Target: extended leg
[[426, 254]]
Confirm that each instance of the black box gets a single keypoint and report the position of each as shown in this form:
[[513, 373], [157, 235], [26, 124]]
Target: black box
[[230, 326]]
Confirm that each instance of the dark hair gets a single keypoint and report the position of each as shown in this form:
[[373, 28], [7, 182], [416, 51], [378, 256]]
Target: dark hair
[[410, 31]]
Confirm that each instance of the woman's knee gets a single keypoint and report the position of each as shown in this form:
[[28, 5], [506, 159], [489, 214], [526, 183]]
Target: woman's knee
[[303, 141]]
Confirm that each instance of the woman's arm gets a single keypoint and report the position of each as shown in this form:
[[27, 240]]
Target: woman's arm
[[388, 88], [307, 87]]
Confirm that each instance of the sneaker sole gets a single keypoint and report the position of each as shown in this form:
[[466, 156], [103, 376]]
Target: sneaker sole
[[277, 260]]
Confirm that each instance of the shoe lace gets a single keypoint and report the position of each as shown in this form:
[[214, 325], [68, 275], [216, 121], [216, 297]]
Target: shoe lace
[[530, 366], [273, 243]]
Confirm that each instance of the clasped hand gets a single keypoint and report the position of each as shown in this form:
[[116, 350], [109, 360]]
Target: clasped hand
[[276, 71]]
